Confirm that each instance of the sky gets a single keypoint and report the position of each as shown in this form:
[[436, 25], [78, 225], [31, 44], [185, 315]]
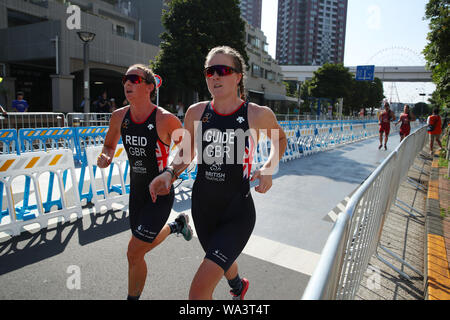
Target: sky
[[379, 32]]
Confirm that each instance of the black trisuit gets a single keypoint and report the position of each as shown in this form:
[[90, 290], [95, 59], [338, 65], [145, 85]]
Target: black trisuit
[[222, 205], [147, 156]]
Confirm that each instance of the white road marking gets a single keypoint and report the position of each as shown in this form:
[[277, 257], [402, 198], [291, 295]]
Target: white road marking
[[278, 253], [341, 207], [333, 216], [281, 254]]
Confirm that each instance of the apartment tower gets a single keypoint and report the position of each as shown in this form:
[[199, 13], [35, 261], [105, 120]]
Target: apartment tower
[[251, 11], [311, 32]]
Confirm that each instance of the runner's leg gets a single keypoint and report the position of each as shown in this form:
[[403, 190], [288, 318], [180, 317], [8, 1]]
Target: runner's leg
[[205, 280], [137, 268]]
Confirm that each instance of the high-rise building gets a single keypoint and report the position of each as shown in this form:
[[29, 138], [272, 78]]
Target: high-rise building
[[251, 11], [311, 32]]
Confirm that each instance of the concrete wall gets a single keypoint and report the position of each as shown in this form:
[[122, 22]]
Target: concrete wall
[[32, 44]]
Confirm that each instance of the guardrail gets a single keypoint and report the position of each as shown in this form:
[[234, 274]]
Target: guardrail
[[355, 236]]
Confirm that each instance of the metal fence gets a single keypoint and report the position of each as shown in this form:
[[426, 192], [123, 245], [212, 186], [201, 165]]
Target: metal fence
[[19, 120], [355, 236], [87, 119]]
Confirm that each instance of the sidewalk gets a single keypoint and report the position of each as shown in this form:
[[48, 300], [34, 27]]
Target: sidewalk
[[438, 233], [422, 241], [404, 235]]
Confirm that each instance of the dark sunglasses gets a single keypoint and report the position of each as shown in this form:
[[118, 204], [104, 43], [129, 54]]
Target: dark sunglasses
[[220, 69], [133, 78]]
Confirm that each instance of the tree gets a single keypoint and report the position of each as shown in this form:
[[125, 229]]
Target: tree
[[331, 81], [421, 109], [365, 94], [192, 29], [358, 97], [437, 51], [376, 93], [305, 94], [291, 88]]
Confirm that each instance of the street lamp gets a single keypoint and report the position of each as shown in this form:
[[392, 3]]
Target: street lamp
[[86, 37]]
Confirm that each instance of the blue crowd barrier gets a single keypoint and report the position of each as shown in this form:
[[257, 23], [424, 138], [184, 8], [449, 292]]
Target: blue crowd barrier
[[9, 142], [46, 139], [304, 138]]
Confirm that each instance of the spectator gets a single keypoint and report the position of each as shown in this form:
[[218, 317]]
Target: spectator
[[103, 105], [434, 123], [113, 104], [20, 104]]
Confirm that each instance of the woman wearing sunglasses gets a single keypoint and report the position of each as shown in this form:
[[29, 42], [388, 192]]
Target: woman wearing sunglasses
[[146, 132], [222, 205]]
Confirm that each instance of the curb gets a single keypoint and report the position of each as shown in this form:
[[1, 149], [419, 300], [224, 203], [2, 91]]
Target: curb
[[437, 278]]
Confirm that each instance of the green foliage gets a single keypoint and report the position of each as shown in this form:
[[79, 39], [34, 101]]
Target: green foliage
[[331, 81], [421, 109], [291, 88], [364, 94], [193, 27], [376, 93], [334, 81], [437, 51]]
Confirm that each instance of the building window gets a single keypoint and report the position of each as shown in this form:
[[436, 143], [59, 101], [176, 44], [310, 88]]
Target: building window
[[256, 71], [120, 30]]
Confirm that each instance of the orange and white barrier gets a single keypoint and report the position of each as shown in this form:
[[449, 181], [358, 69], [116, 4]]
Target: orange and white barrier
[[103, 193], [36, 166]]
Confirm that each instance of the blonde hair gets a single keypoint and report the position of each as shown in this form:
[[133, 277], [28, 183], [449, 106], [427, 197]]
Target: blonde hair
[[238, 61], [149, 77]]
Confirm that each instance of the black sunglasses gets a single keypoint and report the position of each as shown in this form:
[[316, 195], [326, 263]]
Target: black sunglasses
[[133, 78], [220, 69]]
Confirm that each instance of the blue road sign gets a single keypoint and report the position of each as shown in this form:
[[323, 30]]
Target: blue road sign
[[365, 73]]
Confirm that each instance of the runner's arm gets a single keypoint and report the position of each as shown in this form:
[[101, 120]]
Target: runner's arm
[[111, 139], [161, 184], [263, 119]]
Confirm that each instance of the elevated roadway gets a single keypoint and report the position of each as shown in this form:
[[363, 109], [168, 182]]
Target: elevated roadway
[[385, 73]]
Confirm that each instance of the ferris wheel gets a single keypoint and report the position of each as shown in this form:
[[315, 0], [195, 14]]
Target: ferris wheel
[[406, 92], [397, 56]]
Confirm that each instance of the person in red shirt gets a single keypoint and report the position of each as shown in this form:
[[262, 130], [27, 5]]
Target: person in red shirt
[[435, 121], [384, 120], [405, 118]]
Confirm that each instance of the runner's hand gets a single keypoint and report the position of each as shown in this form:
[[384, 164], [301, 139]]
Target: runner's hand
[[265, 181], [160, 185], [103, 160]]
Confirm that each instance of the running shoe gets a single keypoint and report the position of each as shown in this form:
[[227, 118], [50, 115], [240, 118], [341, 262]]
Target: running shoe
[[245, 285], [385, 148], [185, 229], [379, 147]]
